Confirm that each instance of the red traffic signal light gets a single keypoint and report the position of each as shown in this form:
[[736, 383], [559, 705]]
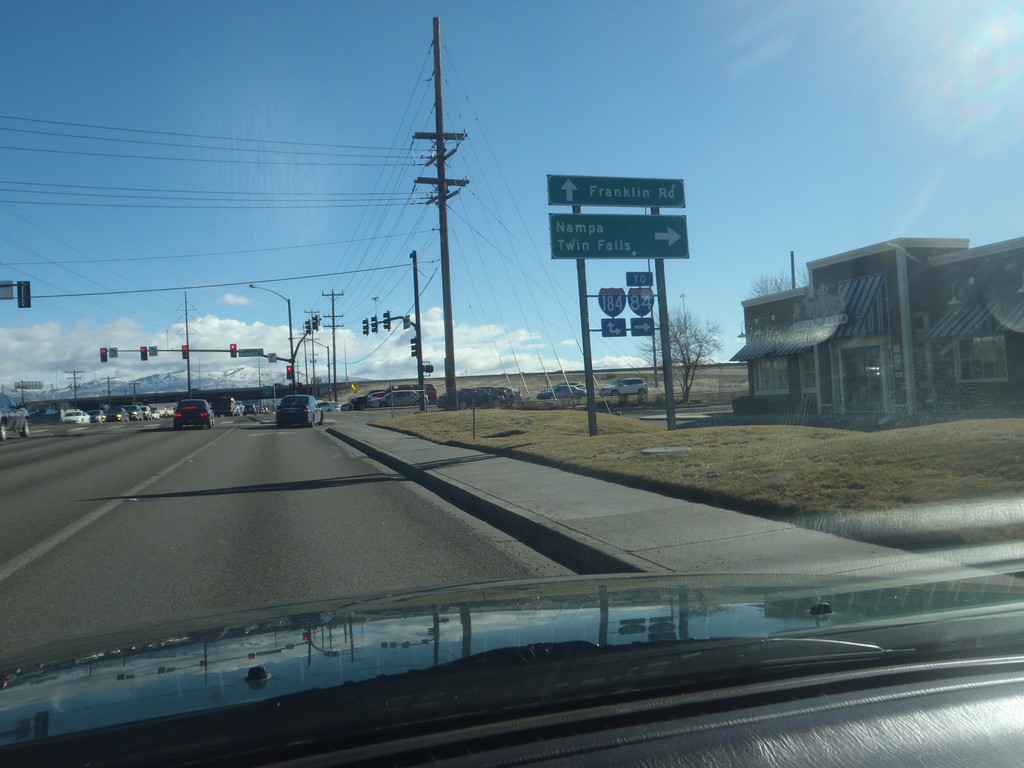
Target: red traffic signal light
[[291, 373], [103, 354], [234, 350], [144, 353], [184, 351]]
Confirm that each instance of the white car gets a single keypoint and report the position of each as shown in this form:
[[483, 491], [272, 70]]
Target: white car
[[625, 387], [75, 417]]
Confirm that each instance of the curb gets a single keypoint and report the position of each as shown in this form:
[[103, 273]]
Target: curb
[[566, 550]]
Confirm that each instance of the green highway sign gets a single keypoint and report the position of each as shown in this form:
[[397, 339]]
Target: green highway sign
[[616, 191], [618, 236], [255, 352]]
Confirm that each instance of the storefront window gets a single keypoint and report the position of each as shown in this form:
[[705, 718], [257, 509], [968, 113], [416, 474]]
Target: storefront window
[[771, 376], [808, 381], [981, 358]]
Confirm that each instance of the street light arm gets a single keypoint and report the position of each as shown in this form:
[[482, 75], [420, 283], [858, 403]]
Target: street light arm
[[291, 339]]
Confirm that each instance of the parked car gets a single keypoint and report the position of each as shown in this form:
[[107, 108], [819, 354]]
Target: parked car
[[193, 413], [563, 391], [75, 417], [510, 397], [622, 387], [358, 402], [13, 418], [571, 391], [295, 410], [398, 398]]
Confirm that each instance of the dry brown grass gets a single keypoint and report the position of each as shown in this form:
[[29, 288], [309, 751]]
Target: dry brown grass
[[787, 469]]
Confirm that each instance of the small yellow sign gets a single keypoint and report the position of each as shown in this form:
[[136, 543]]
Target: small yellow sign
[[355, 386]]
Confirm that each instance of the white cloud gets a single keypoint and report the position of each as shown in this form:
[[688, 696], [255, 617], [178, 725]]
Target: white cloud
[[46, 351], [235, 299]]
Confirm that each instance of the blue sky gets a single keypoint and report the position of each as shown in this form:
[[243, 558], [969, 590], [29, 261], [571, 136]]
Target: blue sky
[[149, 145]]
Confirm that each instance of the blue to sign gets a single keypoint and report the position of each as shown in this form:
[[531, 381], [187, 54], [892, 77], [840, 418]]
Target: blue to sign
[[639, 278], [641, 326], [612, 301], [611, 326]]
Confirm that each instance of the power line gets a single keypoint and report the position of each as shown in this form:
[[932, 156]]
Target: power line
[[190, 191], [192, 135], [181, 145], [123, 156], [223, 253], [243, 207], [215, 285]]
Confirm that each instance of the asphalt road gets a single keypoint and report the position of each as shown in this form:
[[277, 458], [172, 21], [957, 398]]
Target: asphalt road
[[107, 526]]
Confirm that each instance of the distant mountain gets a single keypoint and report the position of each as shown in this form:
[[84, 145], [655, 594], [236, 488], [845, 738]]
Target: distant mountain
[[174, 381]]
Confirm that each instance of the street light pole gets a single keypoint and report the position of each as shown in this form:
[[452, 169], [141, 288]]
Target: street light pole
[[291, 337]]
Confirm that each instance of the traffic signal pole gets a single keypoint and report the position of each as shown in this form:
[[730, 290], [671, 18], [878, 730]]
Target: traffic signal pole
[[188, 359], [419, 331]]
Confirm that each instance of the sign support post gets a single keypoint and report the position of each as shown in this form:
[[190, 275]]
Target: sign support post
[[666, 346], [603, 236], [588, 362]]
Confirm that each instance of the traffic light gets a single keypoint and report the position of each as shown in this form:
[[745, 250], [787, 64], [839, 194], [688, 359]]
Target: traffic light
[[103, 354], [387, 320], [414, 343], [24, 294], [184, 351], [307, 327], [291, 373], [374, 323], [234, 350], [316, 322], [406, 323], [144, 353], [366, 327]]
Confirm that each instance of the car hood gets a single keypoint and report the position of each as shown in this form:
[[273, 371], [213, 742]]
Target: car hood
[[381, 662]]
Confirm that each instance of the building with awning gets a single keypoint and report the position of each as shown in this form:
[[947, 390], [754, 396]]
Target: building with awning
[[902, 326]]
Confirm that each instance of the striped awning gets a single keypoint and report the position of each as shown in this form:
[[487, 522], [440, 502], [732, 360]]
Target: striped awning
[[1014, 321], [969, 321], [754, 350], [866, 306], [779, 346]]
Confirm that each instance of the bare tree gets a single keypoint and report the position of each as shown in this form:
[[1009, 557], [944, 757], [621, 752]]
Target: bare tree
[[778, 282], [693, 343]]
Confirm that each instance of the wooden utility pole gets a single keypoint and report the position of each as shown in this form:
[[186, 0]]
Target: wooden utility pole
[[334, 342], [442, 182]]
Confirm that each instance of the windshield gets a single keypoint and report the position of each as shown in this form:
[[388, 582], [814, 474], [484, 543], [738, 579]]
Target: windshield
[[684, 289]]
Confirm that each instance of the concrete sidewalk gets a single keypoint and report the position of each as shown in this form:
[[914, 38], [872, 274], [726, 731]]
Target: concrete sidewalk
[[594, 526]]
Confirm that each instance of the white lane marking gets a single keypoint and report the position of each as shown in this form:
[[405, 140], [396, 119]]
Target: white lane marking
[[33, 553]]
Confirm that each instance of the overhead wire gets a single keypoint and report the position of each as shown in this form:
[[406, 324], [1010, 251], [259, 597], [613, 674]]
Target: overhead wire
[[365, 226], [504, 257], [187, 135]]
